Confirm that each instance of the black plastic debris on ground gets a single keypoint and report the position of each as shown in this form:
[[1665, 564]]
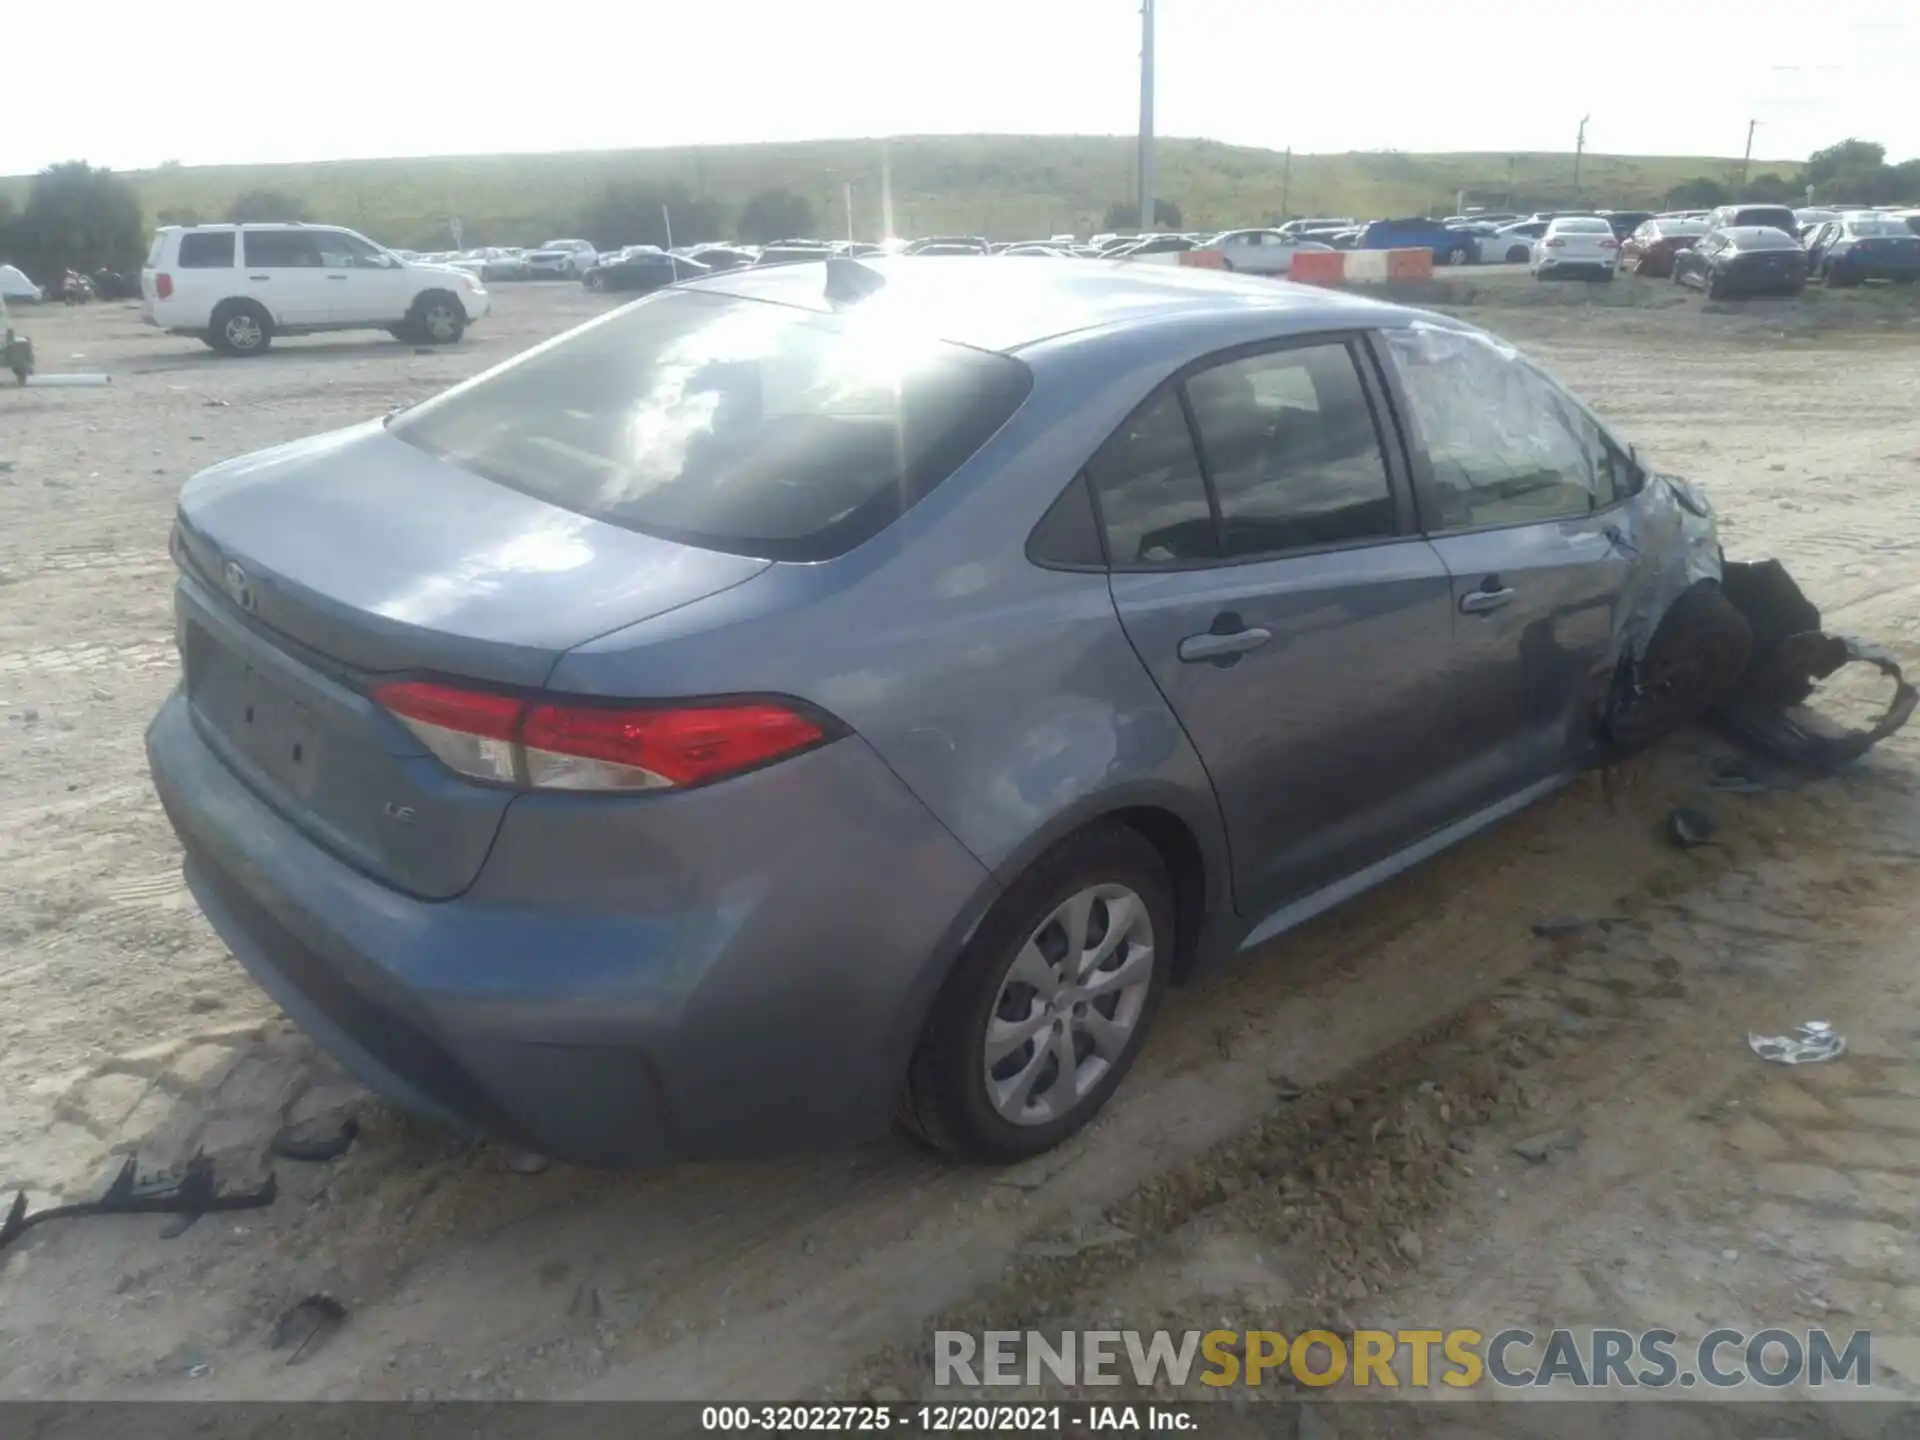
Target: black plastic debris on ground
[[307, 1326], [1689, 828], [315, 1141], [189, 1195]]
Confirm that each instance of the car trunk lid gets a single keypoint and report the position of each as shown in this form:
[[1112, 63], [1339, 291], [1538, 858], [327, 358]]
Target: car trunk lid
[[313, 570]]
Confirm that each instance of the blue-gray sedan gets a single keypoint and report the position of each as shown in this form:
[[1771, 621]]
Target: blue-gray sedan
[[817, 695]]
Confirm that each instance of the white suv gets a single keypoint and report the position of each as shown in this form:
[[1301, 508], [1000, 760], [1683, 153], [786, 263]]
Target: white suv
[[238, 286], [562, 259]]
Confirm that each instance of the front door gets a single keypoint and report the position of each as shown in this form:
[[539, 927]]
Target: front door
[[1518, 490], [365, 285], [1264, 566], [283, 273]]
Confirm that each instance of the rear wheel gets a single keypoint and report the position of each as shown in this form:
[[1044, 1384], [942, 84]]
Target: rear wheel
[[1838, 279], [1518, 254], [596, 281], [1698, 650], [1716, 288], [1459, 255], [240, 327], [1048, 1006]]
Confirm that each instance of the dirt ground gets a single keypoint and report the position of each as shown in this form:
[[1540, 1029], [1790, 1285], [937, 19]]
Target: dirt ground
[[1324, 1133]]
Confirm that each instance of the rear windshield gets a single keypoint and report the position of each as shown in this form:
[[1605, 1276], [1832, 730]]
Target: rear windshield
[[1582, 227], [1762, 238], [730, 424], [1777, 216], [1877, 227]]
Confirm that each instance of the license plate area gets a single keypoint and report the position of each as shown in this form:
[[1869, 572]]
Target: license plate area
[[263, 723]]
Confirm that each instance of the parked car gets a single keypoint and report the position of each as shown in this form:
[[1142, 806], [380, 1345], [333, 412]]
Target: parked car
[[1450, 247], [792, 254], [17, 287], [492, 262], [1744, 260], [562, 260], [1577, 246], [1148, 246], [1493, 218], [642, 268], [948, 245], [722, 257], [1322, 224], [1911, 218], [1625, 222], [1650, 249], [1036, 248], [1259, 252], [1513, 245], [237, 287], [638, 667], [1845, 252], [1745, 217]]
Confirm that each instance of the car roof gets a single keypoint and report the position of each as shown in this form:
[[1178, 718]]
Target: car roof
[[974, 301]]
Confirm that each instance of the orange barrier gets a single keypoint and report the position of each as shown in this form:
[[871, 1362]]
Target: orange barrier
[[1409, 264], [1318, 267], [1203, 259]]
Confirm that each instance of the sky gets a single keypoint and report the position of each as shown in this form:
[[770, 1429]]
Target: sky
[[1655, 76]]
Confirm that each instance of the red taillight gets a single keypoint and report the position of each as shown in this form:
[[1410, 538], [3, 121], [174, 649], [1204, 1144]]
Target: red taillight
[[1609, 244], [163, 285], [549, 745], [1555, 244]]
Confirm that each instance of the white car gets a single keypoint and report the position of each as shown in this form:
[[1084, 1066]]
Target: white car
[[238, 286], [562, 260], [1582, 245], [1260, 252]]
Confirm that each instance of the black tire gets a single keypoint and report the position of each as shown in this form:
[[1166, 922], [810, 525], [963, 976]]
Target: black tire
[[946, 1104], [1715, 290], [1699, 649], [1837, 280], [1519, 254], [437, 318], [240, 327], [595, 282]]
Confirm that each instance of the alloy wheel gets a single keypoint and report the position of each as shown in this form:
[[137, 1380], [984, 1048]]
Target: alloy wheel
[[243, 332]]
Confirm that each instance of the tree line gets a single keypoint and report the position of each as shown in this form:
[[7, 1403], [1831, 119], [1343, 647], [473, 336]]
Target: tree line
[[85, 217]]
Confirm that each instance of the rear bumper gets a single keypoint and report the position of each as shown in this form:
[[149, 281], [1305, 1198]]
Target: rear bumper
[[594, 997]]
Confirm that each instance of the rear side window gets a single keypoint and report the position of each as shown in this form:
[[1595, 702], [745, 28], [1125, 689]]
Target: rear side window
[[727, 423], [206, 250], [281, 249], [1152, 500], [1292, 451]]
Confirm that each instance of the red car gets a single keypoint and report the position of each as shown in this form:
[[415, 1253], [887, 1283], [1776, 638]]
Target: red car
[[1651, 248]]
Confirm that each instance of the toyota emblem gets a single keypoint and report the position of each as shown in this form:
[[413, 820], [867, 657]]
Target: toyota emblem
[[239, 587]]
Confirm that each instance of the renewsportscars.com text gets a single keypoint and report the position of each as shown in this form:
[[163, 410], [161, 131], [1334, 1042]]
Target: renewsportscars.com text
[[1513, 1358]]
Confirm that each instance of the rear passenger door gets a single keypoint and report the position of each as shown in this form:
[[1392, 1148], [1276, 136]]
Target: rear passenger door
[[1517, 490], [1265, 566], [283, 272]]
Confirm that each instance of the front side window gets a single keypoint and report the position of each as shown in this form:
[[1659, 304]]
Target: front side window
[[727, 423], [1503, 442], [339, 251], [1292, 452]]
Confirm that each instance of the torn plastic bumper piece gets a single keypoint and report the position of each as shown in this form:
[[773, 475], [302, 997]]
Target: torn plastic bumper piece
[[1803, 736], [1767, 708]]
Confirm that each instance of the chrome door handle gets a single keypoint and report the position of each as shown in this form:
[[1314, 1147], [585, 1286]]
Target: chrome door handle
[[1210, 646], [1481, 602]]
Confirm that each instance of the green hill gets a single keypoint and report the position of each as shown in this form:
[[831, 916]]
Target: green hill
[[1006, 186]]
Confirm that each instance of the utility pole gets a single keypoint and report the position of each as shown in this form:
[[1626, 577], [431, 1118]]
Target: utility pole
[[1286, 184], [1579, 149], [1146, 114], [1746, 160], [886, 191]]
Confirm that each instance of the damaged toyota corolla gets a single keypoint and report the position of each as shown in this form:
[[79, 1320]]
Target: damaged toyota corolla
[[813, 697]]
